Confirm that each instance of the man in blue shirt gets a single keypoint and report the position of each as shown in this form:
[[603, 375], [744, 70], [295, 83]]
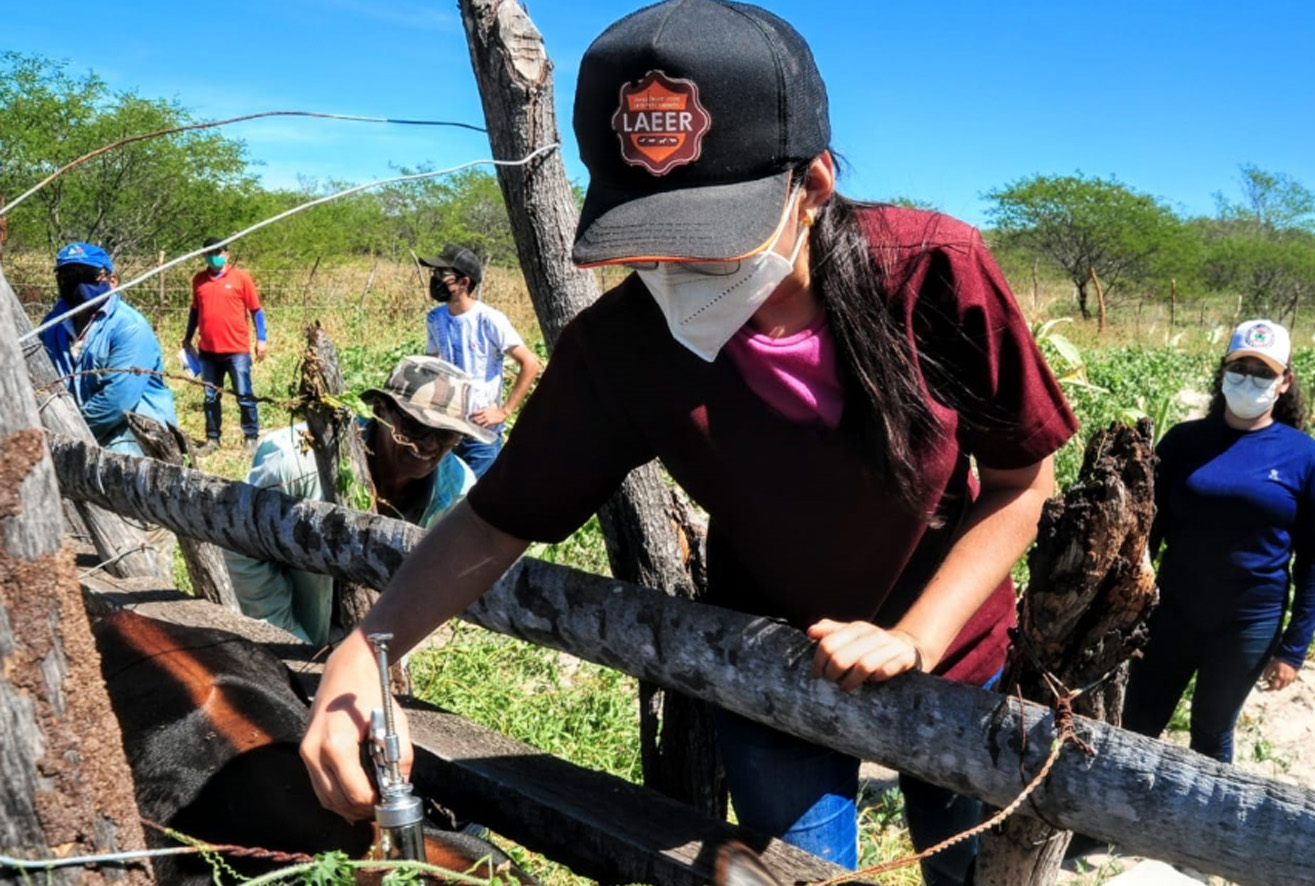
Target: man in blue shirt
[[107, 354]]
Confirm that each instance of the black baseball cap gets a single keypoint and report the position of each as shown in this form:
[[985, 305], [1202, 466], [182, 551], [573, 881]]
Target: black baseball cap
[[690, 116], [459, 259]]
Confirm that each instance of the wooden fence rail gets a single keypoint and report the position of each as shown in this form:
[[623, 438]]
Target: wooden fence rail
[[1149, 797]]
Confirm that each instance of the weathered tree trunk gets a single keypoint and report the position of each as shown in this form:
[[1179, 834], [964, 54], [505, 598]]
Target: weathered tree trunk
[[205, 562], [645, 543], [67, 789], [339, 455], [120, 545], [1151, 797], [1089, 592]]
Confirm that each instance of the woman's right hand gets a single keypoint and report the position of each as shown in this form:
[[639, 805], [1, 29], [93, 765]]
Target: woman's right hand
[[340, 721]]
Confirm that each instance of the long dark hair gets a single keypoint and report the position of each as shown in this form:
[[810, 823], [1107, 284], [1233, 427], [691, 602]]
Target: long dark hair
[[1289, 409], [887, 405]]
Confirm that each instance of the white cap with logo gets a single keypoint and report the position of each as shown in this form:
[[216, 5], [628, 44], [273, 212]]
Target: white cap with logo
[[1264, 339]]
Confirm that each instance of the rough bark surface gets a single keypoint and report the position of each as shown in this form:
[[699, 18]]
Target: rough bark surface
[[1152, 798], [67, 789], [644, 544], [339, 454], [262, 523], [122, 546], [205, 562], [1090, 590]]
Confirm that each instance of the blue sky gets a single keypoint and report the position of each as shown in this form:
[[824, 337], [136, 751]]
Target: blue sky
[[937, 102]]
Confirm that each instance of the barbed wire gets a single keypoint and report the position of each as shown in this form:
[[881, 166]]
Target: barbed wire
[[294, 405], [6, 209], [291, 404], [105, 564], [94, 302]]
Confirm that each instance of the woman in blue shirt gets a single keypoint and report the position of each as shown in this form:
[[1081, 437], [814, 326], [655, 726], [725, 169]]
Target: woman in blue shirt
[[1235, 511]]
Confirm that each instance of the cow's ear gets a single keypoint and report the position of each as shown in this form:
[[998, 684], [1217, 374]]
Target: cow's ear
[[738, 865]]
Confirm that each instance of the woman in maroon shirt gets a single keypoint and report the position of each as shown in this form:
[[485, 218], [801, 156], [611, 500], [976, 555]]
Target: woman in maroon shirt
[[837, 478]]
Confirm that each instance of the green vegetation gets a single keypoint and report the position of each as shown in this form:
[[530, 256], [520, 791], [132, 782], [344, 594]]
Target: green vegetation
[[167, 194], [1086, 226], [1175, 287]]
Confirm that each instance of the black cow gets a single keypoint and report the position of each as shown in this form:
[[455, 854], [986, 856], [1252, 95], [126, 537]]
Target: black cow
[[211, 724]]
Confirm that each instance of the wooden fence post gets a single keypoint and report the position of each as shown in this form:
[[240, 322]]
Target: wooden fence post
[[205, 562], [369, 281], [159, 311], [1036, 287], [337, 444], [67, 786], [1100, 303], [646, 530], [1084, 612], [305, 290]]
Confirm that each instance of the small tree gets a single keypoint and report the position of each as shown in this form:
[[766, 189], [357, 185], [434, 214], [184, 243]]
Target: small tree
[[158, 194], [1271, 201], [1084, 225], [1263, 247]]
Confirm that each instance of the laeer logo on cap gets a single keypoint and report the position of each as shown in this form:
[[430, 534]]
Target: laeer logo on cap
[[661, 122]]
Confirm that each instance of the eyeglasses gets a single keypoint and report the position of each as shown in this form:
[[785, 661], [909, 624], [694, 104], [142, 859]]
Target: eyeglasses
[[406, 431], [706, 268], [1260, 376]]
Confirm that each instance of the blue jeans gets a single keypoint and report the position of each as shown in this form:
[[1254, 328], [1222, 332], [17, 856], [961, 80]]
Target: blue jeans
[[479, 455], [237, 367], [1227, 662], [805, 794]]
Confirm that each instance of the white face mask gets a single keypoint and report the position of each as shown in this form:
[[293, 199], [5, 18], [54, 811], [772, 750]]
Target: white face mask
[[706, 303], [1249, 397]]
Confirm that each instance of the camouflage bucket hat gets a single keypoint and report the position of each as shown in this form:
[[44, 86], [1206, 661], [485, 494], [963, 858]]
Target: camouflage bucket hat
[[434, 393]]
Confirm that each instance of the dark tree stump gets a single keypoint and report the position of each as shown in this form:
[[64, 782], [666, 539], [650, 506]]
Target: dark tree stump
[[1083, 614]]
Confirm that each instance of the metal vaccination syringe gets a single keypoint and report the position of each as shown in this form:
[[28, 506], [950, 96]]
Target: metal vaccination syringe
[[399, 814]]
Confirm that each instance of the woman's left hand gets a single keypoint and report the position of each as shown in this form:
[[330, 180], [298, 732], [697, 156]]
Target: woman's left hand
[[850, 653], [1278, 675]]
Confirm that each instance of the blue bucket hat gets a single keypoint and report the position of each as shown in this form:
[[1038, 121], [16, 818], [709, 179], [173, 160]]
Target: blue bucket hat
[[84, 254]]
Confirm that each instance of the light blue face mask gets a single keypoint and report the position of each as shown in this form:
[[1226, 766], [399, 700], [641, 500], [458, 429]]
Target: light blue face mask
[[216, 262]]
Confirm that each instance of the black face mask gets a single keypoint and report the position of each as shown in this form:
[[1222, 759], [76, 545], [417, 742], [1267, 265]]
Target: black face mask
[[438, 290], [77, 284]]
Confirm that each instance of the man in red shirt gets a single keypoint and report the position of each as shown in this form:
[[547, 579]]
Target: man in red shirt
[[222, 296]]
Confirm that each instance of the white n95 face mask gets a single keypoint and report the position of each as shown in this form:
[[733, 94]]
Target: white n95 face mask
[[706, 303], [1245, 399]]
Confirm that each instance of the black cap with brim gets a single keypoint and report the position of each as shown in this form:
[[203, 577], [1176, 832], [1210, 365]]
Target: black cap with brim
[[708, 223], [458, 259], [690, 116]]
